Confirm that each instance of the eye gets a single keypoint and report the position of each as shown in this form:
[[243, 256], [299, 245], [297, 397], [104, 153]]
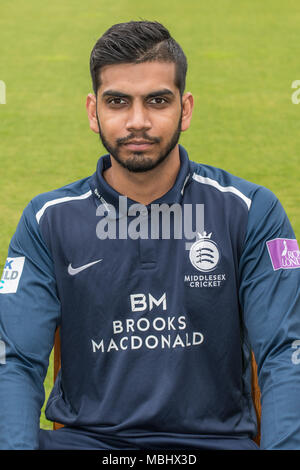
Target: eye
[[116, 101], [158, 100]]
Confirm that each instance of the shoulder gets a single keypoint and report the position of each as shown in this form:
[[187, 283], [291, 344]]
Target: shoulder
[[78, 190], [226, 183]]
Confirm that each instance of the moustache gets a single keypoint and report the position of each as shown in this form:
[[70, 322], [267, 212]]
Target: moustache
[[125, 140]]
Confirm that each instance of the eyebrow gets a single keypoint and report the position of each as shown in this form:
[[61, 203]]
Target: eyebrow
[[163, 92]]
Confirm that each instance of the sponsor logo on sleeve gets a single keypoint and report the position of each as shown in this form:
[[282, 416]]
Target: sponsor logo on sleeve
[[11, 275], [284, 253]]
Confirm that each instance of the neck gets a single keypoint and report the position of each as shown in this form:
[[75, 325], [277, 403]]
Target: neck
[[147, 186]]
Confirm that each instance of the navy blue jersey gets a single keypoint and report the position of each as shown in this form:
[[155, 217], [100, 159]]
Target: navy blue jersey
[[157, 322]]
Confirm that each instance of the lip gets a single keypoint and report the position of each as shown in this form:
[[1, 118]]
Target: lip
[[139, 145]]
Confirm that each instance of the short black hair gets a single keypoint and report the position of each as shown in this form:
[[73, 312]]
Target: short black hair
[[136, 42]]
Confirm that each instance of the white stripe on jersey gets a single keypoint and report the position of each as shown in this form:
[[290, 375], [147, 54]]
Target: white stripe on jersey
[[39, 214], [215, 184]]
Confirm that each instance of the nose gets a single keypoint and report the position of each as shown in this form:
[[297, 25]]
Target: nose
[[138, 118]]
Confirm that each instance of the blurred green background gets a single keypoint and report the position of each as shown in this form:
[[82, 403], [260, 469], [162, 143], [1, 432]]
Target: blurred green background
[[243, 57]]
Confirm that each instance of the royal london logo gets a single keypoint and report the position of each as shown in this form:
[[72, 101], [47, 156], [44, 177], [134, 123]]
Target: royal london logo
[[11, 275], [284, 253], [205, 257]]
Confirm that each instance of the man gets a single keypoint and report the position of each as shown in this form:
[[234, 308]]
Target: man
[[163, 275]]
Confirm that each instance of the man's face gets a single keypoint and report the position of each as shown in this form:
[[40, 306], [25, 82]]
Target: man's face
[[139, 113]]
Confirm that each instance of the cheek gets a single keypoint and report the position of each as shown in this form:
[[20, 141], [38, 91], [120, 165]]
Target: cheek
[[168, 125], [111, 125]]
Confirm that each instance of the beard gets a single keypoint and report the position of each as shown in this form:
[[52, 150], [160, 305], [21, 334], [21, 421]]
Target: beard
[[139, 162]]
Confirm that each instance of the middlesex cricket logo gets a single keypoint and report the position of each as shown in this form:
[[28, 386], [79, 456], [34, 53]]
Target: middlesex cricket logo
[[204, 253]]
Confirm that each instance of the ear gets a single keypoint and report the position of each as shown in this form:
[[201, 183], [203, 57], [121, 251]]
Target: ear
[[187, 110], [91, 107]]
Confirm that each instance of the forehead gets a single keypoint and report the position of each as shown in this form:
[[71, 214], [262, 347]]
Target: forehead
[[138, 79]]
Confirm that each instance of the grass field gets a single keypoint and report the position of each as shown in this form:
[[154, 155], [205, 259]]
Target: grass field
[[243, 58]]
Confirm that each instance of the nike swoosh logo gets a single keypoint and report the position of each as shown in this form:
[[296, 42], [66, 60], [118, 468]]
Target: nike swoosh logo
[[73, 271]]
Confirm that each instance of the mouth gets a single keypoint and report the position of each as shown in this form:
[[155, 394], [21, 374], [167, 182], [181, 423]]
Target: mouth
[[138, 145]]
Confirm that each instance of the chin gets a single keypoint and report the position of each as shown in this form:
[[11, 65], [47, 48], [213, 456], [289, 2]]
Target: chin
[[139, 167]]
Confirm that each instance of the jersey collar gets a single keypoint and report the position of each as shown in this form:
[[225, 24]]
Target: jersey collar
[[104, 193]]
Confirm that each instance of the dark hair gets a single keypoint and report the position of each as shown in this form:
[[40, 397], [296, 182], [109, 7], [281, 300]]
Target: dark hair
[[137, 42]]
